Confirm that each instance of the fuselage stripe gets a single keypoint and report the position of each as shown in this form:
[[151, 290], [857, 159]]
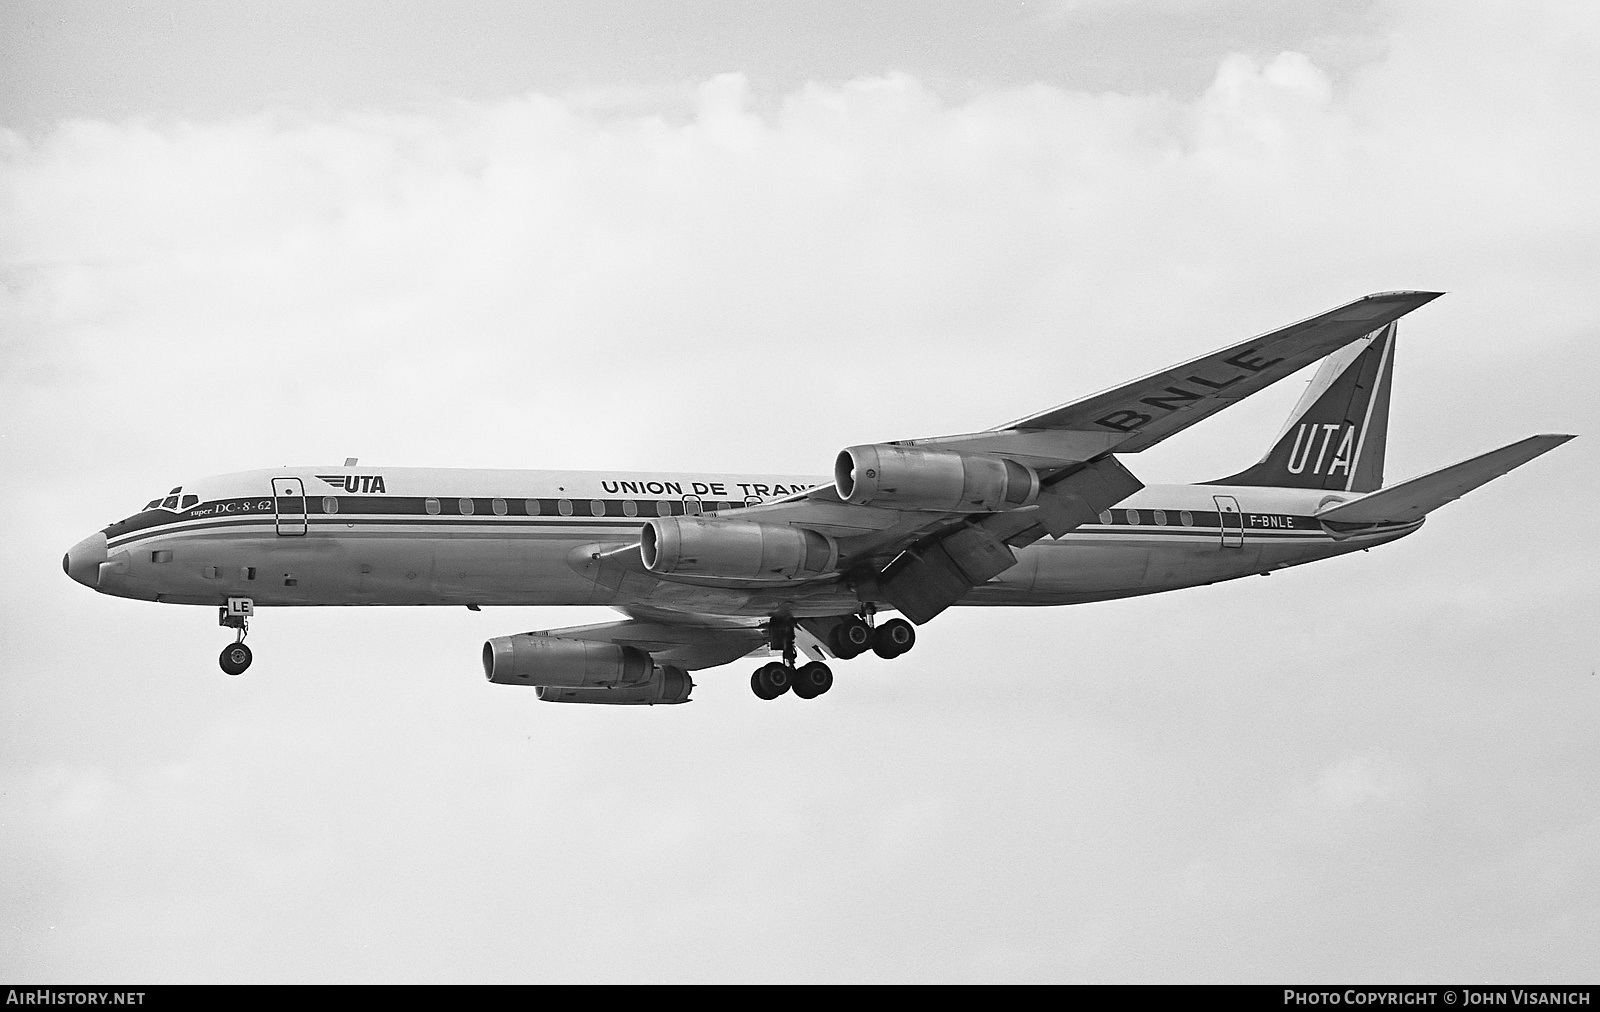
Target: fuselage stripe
[[423, 525]]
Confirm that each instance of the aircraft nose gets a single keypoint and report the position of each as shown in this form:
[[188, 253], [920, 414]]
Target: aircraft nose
[[82, 561]]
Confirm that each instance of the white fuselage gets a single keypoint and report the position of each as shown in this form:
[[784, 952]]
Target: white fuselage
[[415, 536]]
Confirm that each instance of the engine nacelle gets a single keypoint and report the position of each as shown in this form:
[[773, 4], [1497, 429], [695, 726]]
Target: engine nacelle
[[913, 478], [667, 685], [529, 659], [734, 549]]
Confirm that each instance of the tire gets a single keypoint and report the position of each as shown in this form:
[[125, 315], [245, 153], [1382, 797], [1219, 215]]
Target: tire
[[813, 680], [235, 658], [771, 680], [893, 638], [850, 638]]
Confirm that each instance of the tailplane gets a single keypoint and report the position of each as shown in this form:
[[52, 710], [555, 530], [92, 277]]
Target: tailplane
[[1336, 435], [1414, 499]]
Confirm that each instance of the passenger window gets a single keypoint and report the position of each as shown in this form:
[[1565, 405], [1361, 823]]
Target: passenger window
[[1160, 517], [431, 505], [465, 505], [1133, 517], [564, 507], [1187, 518], [630, 508], [664, 508], [499, 507], [190, 500], [330, 504], [532, 506], [1106, 517], [597, 507]]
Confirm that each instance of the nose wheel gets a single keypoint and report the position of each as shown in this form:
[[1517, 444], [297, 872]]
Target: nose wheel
[[236, 657]]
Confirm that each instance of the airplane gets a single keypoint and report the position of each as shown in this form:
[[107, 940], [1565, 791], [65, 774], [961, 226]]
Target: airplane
[[710, 568]]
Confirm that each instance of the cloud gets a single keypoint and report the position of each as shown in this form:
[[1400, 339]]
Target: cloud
[[473, 253], [1235, 781]]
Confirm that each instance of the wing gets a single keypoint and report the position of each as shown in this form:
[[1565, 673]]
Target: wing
[[1136, 416], [924, 560]]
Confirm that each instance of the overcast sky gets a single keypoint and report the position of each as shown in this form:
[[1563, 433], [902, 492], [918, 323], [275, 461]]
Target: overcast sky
[[738, 237]]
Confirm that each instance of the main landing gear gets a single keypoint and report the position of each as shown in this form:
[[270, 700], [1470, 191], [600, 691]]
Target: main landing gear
[[236, 615], [773, 679], [854, 637], [851, 637]]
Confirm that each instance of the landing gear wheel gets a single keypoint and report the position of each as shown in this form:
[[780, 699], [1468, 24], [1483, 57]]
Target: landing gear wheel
[[813, 680], [771, 680], [850, 638], [893, 638], [235, 658]]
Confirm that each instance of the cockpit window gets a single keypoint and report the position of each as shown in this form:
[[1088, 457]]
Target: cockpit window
[[152, 504], [189, 500], [170, 502]]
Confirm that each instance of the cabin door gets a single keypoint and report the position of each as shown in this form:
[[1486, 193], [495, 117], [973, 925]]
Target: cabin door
[[1232, 521], [289, 499]]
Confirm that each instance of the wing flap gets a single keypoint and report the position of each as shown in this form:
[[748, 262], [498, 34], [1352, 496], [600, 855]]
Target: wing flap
[[1411, 500], [924, 580]]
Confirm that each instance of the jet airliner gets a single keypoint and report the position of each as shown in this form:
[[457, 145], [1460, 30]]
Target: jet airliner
[[710, 568]]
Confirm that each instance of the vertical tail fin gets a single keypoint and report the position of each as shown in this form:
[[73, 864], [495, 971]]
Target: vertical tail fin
[[1336, 435]]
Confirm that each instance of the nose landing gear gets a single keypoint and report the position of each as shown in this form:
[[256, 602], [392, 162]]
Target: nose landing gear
[[236, 614], [235, 658]]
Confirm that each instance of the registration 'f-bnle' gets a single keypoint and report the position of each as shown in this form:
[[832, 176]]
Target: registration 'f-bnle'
[[709, 568]]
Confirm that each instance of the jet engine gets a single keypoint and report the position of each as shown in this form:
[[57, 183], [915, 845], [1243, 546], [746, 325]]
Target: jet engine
[[583, 671], [734, 549], [531, 659], [666, 685], [913, 478]]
